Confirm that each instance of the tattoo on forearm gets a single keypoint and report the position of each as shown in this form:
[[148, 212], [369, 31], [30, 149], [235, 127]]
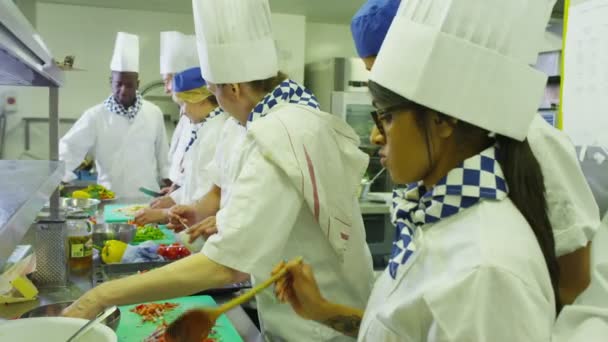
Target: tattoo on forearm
[[348, 325]]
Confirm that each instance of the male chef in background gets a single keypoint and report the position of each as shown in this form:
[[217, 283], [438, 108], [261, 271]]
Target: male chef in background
[[125, 133]]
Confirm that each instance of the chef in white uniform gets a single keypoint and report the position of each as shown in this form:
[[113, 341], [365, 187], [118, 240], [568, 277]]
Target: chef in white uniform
[[222, 173], [125, 133], [177, 53], [474, 258], [207, 120], [573, 211], [294, 183]]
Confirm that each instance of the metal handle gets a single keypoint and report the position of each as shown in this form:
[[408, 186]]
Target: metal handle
[[107, 312]]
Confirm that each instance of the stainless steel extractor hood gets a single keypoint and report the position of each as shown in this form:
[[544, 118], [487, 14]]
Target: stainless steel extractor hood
[[24, 59]]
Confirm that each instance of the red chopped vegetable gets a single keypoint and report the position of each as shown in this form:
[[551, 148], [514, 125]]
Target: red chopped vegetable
[[152, 312]]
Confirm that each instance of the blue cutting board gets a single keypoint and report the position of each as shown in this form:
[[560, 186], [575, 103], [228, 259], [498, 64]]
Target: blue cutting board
[[131, 328]]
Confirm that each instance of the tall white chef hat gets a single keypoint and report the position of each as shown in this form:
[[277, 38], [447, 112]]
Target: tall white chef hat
[[469, 59], [177, 52], [234, 39], [126, 53]]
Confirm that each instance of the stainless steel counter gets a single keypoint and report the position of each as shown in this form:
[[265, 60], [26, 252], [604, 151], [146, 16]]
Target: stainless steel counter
[[78, 285], [25, 187]]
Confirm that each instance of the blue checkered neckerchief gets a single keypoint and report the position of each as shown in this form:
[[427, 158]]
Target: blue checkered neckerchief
[[113, 106], [197, 126], [477, 178], [194, 133], [286, 92]]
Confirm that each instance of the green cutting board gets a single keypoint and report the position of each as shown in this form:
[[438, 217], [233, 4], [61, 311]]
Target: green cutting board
[[131, 328], [110, 215]]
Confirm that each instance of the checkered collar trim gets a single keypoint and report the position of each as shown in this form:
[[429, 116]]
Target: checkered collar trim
[[197, 126], [194, 134], [286, 92], [113, 106], [477, 178]]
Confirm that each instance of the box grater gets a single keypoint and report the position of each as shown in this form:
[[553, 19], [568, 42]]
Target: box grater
[[51, 253]]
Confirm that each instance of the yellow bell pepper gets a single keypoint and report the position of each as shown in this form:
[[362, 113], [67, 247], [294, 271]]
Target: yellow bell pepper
[[112, 251], [80, 194]]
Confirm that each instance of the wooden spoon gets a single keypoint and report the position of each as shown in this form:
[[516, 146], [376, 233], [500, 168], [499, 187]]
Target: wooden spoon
[[196, 324]]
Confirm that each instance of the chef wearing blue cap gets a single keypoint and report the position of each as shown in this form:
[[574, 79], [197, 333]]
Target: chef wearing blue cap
[[207, 119], [369, 27], [573, 213]]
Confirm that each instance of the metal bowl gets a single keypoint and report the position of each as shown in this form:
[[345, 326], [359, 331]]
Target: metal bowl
[[113, 231], [89, 205], [74, 206], [54, 310]]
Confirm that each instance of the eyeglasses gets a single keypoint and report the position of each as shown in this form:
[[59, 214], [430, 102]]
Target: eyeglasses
[[386, 115]]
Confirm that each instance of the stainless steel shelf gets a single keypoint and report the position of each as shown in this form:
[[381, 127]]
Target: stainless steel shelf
[[25, 186]]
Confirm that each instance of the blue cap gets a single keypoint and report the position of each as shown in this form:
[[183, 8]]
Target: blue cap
[[370, 25], [188, 79]]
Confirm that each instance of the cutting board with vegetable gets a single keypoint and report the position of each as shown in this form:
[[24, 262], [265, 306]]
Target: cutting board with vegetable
[[131, 328], [118, 213], [169, 237]]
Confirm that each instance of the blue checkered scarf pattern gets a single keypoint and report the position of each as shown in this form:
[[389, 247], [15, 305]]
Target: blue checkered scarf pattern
[[287, 92], [477, 178], [113, 106], [196, 127]]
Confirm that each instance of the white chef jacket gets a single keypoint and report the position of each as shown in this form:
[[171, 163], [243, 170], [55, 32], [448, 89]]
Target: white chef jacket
[[573, 212], [197, 180], [265, 220], [586, 320], [128, 154], [179, 141], [478, 275], [223, 168]]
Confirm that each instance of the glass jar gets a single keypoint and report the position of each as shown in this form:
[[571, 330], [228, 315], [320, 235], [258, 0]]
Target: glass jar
[[80, 243]]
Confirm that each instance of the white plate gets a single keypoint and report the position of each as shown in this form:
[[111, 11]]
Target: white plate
[[52, 329]]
